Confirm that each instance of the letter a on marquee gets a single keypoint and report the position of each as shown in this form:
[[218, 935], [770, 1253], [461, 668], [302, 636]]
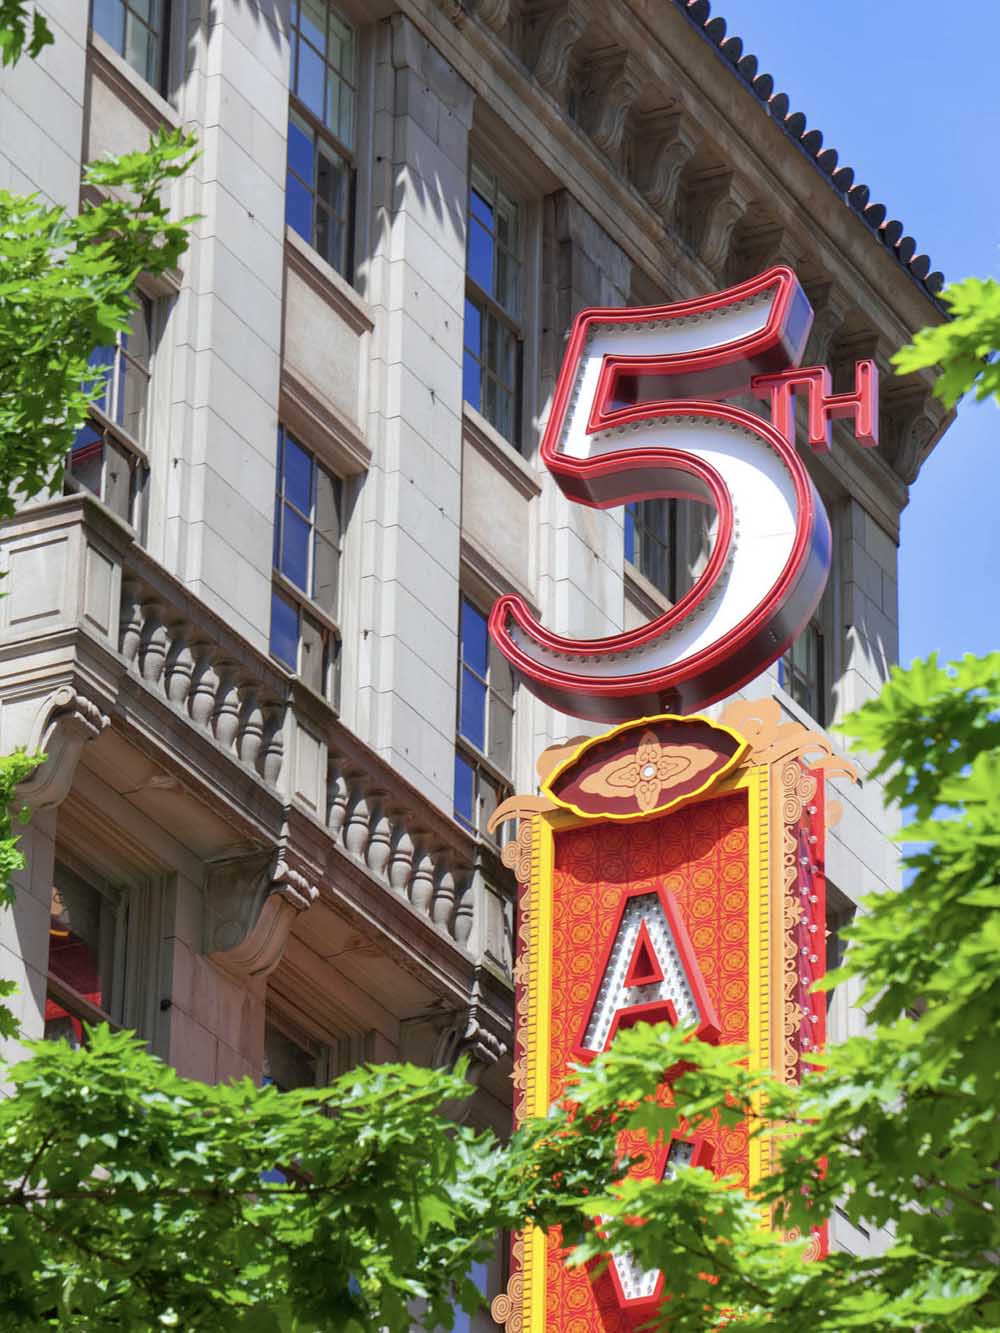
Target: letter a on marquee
[[650, 975]]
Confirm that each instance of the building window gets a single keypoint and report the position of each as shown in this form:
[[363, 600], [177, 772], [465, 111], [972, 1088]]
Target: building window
[[800, 672], [491, 365], [87, 927], [307, 535], [137, 30], [484, 748], [650, 532], [108, 455], [319, 202], [289, 1063]]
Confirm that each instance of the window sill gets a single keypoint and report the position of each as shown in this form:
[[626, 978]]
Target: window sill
[[324, 279], [130, 87], [500, 452], [645, 594], [334, 439]]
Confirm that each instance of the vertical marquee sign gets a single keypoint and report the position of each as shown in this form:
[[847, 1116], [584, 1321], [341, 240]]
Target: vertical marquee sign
[[672, 868]]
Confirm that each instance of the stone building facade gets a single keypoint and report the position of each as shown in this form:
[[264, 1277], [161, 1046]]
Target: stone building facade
[[249, 635]]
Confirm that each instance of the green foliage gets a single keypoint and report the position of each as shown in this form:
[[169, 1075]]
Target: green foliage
[[137, 1199], [21, 24], [964, 347], [65, 288]]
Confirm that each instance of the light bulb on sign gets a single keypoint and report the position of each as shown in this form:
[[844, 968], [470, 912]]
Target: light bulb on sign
[[637, 414]]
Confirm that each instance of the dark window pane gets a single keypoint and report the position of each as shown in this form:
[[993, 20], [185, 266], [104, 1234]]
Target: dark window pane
[[298, 475], [474, 637], [284, 630], [331, 239], [295, 534], [309, 84], [108, 19], [464, 791], [326, 575], [300, 148], [117, 479], [500, 747], [332, 181], [298, 208], [286, 1064], [87, 458], [630, 533], [481, 257], [472, 716]]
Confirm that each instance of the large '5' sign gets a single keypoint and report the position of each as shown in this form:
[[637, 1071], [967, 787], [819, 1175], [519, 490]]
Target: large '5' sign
[[636, 415]]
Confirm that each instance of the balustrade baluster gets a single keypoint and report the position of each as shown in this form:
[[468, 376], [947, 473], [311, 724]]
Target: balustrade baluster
[[401, 865], [178, 670], [226, 716], [422, 882], [272, 752], [131, 619], [380, 841], [251, 723], [152, 641], [358, 818]]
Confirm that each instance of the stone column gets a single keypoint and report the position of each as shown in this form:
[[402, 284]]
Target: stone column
[[412, 497], [224, 332]]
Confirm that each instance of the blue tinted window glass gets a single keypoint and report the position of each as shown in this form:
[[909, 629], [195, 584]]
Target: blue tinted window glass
[[481, 257], [312, 22], [298, 475], [298, 208], [284, 631], [471, 387], [474, 637], [464, 791], [295, 548], [473, 328], [630, 533], [472, 717], [479, 208], [309, 85], [103, 358], [109, 20], [300, 149]]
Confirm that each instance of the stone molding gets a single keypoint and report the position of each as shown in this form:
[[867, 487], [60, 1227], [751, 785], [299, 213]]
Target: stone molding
[[65, 722], [252, 903], [718, 203]]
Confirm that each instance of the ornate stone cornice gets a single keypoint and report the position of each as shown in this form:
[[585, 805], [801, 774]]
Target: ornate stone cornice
[[665, 143], [613, 82], [831, 309], [252, 903], [64, 724]]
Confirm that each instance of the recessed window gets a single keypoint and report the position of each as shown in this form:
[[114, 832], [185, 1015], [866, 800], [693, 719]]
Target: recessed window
[[484, 747], [288, 1063], [491, 366], [319, 202], [86, 956], [137, 30], [307, 536], [650, 539], [801, 673], [108, 454]]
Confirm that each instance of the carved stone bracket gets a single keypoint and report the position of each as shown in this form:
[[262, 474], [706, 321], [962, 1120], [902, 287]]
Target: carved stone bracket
[[466, 1035], [66, 721], [831, 312], [494, 13], [914, 419], [554, 29], [252, 903], [613, 82], [718, 203], [665, 143]]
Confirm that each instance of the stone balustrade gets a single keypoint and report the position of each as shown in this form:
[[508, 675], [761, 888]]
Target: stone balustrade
[[141, 643]]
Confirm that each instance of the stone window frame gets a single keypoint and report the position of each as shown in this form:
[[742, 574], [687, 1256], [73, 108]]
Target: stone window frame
[[325, 137], [112, 442], [487, 777], [324, 624], [157, 77]]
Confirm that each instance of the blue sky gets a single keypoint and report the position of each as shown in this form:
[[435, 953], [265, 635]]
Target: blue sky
[[906, 91]]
